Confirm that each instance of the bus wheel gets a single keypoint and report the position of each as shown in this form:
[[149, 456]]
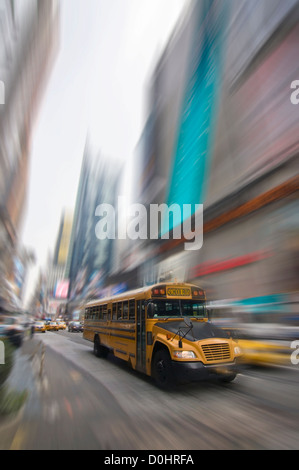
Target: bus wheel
[[228, 378], [98, 349], [162, 370]]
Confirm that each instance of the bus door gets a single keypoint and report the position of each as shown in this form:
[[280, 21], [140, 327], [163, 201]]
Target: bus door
[[140, 342]]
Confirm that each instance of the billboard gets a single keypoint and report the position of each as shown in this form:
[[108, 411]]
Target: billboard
[[193, 149], [61, 289]]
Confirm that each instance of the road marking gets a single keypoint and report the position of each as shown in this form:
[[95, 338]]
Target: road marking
[[76, 376], [45, 384], [19, 438], [51, 412], [68, 408]]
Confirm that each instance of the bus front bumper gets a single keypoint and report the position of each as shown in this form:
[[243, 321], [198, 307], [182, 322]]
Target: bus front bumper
[[195, 371]]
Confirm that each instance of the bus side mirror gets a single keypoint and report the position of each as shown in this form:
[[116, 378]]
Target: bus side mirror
[[150, 310]]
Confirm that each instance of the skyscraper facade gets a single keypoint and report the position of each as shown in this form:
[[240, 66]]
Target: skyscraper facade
[[222, 132], [29, 36]]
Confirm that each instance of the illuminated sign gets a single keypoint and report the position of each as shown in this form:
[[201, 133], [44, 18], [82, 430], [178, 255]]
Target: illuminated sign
[[62, 288], [178, 292]]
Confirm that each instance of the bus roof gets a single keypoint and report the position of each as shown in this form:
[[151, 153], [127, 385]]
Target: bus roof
[[134, 292]]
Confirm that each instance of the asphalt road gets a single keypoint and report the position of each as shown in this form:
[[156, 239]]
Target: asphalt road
[[77, 401]]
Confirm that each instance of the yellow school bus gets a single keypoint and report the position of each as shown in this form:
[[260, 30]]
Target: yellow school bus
[[163, 331]]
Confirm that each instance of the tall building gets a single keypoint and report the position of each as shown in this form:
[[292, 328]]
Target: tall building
[[222, 132], [90, 260], [57, 284], [63, 239], [50, 296], [29, 35]]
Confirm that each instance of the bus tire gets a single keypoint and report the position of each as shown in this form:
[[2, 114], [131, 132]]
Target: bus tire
[[162, 370], [228, 378], [98, 349]]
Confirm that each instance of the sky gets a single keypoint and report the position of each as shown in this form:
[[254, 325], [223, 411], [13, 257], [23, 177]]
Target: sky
[[108, 50]]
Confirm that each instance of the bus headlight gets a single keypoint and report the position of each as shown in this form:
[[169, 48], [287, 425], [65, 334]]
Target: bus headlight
[[237, 351], [184, 354]]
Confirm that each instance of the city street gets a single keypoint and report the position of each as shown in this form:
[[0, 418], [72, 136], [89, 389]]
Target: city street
[[77, 401], [149, 193]]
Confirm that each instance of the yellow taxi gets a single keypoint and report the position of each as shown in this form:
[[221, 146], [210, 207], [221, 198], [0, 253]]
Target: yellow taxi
[[61, 325], [265, 352], [52, 326], [264, 344], [40, 326]]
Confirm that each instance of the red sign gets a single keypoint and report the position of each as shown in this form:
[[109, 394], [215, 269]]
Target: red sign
[[62, 288]]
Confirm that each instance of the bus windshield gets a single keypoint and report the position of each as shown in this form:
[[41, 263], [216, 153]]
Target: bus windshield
[[179, 308]]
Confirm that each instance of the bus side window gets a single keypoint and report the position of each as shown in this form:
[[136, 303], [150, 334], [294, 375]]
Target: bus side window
[[119, 310], [132, 310], [114, 311], [101, 312], [105, 312], [125, 310]]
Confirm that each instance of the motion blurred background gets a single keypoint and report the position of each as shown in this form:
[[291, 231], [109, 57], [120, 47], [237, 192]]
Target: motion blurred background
[[217, 128]]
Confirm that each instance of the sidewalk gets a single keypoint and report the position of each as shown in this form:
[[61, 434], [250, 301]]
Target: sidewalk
[[66, 408], [26, 375]]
